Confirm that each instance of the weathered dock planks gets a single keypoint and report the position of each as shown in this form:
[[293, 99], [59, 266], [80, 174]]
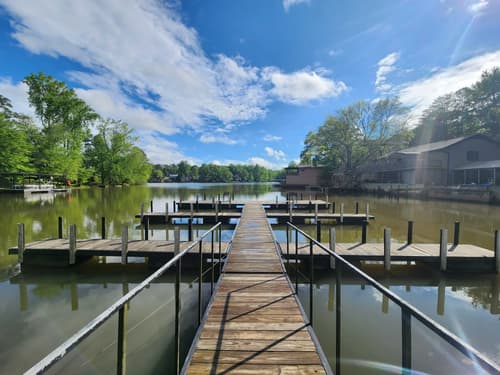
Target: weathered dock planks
[[254, 325]]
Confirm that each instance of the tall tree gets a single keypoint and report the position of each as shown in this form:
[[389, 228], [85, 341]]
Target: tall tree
[[65, 120]]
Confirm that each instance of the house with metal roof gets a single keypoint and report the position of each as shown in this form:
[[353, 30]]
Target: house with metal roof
[[472, 159]]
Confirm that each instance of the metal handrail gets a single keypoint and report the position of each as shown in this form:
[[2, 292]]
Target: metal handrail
[[407, 308], [63, 349]]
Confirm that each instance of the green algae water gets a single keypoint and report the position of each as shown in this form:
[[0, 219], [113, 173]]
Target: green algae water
[[42, 307]]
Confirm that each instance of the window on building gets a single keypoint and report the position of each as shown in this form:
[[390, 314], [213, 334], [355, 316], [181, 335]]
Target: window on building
[[472, 155]]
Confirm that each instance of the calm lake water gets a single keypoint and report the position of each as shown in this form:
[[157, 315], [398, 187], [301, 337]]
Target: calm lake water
[[41, 308]]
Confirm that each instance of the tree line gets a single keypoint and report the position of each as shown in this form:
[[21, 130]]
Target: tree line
[[184, 172], [60, 141], [365, 131]]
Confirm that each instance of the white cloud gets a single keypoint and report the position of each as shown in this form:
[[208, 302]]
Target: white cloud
[[277, 154], [287, 4], [142, 65], [477, 7], [271, 138], [207, 138], [302, 86], [421, 93], [335, 52], [264, 163], [161, 150], [18, 95], [385, 66]]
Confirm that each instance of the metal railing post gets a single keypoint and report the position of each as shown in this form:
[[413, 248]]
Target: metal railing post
[[311, 281], [287, 245], [121, 363], [406, 341], [212, 265], [296, 262], [200, 283], [177, 344]]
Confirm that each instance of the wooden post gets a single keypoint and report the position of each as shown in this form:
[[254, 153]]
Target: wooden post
[[146, 229], [441, 297], [443, 244], [316, 212], [318, 231], [166, 213], [333, 208], [276, 202], [177, 240], [191, 209], [124, 243], [173, 206], [497, 251], [409, 239], [333, 244], [357, 208], [60, 227], [290, 210], [72, 243], [197, 204], [20, 243], [103, 227], [121, 347], [310, 205], [151, 205], [142, 212], [367, 210], [387, 249], [217, 212], [364, 226], [190, 229], [456, 234], [342, 213]]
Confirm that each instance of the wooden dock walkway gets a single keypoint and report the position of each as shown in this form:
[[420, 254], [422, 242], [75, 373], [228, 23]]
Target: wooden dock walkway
[[254, 324], [276, 204]]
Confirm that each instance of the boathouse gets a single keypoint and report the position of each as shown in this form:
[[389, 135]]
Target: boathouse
[[472, 159], [304, 176]]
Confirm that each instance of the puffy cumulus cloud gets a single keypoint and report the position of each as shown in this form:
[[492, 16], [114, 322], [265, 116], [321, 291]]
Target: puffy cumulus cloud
[[421, 93], [277, 154], [385, 66], [271, 138], [302, 86], [209, 138], [287, 4], [160, 150]]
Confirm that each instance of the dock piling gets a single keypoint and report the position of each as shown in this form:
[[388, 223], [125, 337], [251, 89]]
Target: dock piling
[[142, 212], [60, 227], [409, 239], [364, 226], [21, 243], [387, 249], [342, 213], [357, 208], [190, 229], [497, 251], [456, 234], [333, 244], [151, 205], [367, 210], [166, 213], [333, 207], [146, 229], [124, 243], [103, 227], [318, 230], [72, 243], [316, 212], [443, 244]]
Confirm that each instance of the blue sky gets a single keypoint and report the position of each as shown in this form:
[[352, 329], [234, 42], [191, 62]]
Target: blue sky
[[244, 80]]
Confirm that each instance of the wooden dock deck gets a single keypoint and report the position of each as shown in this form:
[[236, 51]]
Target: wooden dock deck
[[254, 324], [276, 204]]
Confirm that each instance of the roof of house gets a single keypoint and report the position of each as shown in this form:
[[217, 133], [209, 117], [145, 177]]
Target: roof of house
[[480, 165], [434, 146]]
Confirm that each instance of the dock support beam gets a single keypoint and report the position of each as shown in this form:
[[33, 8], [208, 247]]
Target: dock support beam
[[124, 244], [333, 245], [387, 249], [409, 239], [20, 243], [443, 244], [72, 243]]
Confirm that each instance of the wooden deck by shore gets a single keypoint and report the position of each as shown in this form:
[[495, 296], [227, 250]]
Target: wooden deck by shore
[[254, 324]]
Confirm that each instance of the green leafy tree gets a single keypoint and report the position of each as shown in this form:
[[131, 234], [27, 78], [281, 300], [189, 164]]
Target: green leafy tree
[[65, 120]]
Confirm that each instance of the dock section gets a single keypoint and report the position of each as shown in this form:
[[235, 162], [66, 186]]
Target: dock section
[[254, 324]]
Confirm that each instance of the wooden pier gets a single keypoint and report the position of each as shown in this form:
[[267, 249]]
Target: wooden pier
[[231, 204], [254, 323]]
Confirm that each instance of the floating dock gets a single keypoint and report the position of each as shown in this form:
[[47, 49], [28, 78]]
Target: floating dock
[[254, 323]]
